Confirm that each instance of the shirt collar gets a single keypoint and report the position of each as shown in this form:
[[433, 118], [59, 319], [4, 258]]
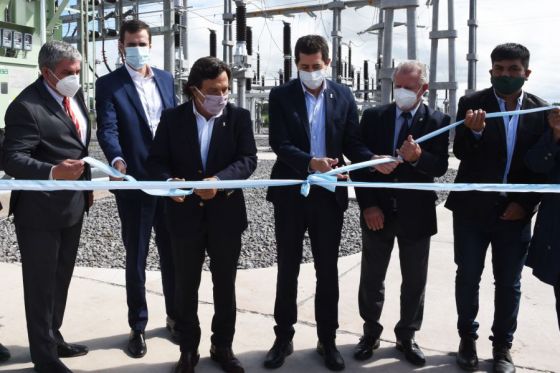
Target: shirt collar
[[412, 112], [198, 115], [135, 75], [502, 102], [306, 91], [53, 93]]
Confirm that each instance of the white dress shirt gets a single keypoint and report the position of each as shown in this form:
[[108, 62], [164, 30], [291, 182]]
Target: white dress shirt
[[149, 96], [205, 128]]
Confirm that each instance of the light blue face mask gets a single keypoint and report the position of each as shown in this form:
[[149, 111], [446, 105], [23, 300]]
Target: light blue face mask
[[137, 57]]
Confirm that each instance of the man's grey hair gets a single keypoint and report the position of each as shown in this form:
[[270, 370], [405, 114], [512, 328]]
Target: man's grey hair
[[52, 52], [412, 66]]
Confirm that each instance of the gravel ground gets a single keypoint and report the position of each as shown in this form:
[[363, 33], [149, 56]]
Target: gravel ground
[[101, 245]]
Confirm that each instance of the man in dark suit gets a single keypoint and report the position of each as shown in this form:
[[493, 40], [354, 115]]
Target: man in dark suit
[[493, 151], [313, 122], [544, 251], [129, 103], [205, 138], [407, 215], [47, 134]]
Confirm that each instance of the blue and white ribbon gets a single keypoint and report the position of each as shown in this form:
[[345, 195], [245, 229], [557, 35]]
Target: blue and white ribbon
[[327, 180]]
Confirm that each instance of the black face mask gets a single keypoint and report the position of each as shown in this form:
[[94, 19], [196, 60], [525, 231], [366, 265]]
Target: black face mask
[[507, 85]]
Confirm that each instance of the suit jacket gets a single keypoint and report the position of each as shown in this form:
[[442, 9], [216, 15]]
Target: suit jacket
[[122, 127], [232, 155], [40, 135], [544, 251], [289, 135], [416, 212], [484, 160]]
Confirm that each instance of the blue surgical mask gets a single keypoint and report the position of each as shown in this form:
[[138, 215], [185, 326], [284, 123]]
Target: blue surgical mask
[[137, 57]]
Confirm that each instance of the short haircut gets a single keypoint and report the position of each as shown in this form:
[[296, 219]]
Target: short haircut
[[511, 51], [311, 44], [410, 66], [52, 52], [132, 27], [205, 68]]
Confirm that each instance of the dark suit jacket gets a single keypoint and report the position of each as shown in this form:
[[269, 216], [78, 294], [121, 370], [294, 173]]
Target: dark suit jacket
[[232, 155], [484, 160], [289, 134], [416, 211], [39, 135], [122, 127], [544, 252]]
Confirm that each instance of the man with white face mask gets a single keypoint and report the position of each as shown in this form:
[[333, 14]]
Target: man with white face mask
[[205, 138], [129, 103], [313, 122], [47, 135], [407, 215]]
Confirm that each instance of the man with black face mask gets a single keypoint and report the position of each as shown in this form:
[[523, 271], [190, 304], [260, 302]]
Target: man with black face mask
[[493, 151]]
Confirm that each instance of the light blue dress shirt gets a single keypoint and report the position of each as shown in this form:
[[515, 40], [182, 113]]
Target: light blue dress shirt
[[316, 114], [510, 126]]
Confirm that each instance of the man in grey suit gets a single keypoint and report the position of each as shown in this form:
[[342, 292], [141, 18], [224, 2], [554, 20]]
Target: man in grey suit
[[47, 134]]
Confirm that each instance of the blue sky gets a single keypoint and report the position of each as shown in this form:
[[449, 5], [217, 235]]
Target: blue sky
[[533, 24]]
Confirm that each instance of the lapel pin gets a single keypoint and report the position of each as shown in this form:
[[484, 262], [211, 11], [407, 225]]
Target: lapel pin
[[331, 95], [224, 124]]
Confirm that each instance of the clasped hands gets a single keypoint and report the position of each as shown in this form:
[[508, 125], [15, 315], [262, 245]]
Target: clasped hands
[[204, 194]]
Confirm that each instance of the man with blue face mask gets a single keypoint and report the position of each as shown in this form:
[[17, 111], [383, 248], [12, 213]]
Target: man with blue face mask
[[313, 123], [408, 216], [493, 151], [129, 103]]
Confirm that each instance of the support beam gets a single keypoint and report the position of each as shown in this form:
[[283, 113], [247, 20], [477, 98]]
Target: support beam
[[451, 51], [336, 7], [432, 97], [472, 57], [386, 71], [56, 16], [169, 37], [411, 32]]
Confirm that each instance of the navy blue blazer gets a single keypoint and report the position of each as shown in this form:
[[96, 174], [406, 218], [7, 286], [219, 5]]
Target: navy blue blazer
[[289, 135], [544, 251], [416, 211], [122, 127], [232, 155]]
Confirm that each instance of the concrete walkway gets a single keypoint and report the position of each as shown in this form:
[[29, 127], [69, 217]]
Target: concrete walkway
[[96, 316]]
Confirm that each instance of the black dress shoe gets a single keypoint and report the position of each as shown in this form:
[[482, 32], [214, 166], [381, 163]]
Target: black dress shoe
[[333, 358], [187, 362], [364, 349], [278, 353], [71, 350], [411, 351], [52, 367], [467, 358], [137, 344], [4, 353], [226, 358], [502, 360]]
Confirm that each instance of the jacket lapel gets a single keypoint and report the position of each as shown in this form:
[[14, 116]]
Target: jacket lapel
[[57, 109], [301, 107], [389, 116], [417, 126], [132, 93], [191, 130], [164, 95], [219, 130], [494, 107], [330, 106]]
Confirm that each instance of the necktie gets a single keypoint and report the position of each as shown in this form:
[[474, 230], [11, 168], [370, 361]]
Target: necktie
[[405, 129], [71, 115]]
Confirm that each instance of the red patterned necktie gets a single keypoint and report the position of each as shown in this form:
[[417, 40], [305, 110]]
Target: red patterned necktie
[[70, 113]]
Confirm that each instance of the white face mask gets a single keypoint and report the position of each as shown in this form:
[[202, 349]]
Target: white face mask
[[67, 86], [313, 79], [405, 98], [137, 57]]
